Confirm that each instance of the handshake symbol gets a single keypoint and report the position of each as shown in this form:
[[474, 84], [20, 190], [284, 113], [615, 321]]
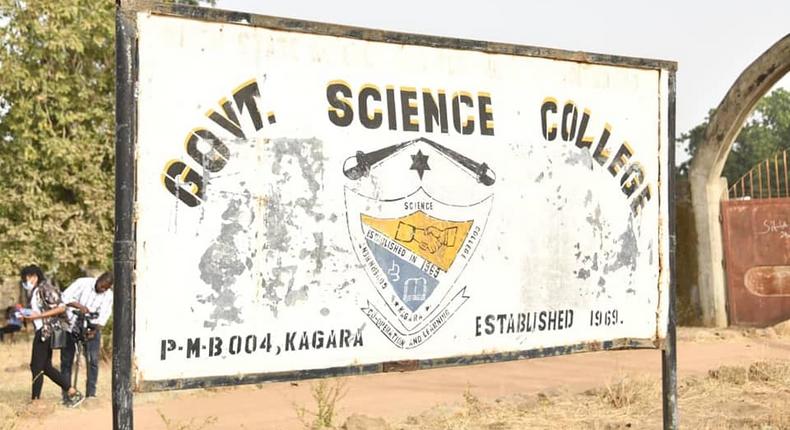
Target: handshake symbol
[[430, 239]]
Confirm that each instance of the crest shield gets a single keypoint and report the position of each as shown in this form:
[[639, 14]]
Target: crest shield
[[414, 249]]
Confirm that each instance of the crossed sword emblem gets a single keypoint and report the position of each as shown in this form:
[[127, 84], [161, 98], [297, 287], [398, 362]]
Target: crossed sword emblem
[[359, 165]]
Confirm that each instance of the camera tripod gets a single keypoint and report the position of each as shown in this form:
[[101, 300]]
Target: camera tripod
[[79, 348], [80, 337]]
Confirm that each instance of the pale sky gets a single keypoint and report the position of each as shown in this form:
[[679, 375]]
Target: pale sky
[[712, 41]]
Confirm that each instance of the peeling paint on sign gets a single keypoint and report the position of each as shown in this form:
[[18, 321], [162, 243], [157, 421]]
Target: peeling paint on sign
[[308, 202]]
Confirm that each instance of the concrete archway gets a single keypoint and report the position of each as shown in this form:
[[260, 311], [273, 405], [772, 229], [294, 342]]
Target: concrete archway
[[707, 187]]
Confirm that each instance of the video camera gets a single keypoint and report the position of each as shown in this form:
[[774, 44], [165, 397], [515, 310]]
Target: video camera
[[84, 325]]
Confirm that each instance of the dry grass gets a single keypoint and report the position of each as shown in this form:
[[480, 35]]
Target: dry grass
[[190, 424], [782, 329], [751, 397], [728, 397], [703, 334], [15, 388], [327, 395]]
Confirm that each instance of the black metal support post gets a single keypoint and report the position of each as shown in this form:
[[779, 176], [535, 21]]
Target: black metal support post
[[123, 249], [669, 353]]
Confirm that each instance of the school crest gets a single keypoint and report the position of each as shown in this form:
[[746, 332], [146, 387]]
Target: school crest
[[414, 246]]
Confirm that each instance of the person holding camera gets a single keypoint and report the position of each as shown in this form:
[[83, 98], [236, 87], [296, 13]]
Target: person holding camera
[[91, 299], [48, 315]]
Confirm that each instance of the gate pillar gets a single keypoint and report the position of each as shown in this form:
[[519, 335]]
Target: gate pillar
[[706, 168]]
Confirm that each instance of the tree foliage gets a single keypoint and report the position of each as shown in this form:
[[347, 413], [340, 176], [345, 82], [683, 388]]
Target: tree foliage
[[57, 96], [765, 133], [56, 134]]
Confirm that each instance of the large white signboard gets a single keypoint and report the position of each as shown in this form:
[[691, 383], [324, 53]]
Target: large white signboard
[[310, 202]]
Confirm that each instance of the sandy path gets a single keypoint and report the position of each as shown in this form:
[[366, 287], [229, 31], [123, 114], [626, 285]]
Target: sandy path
[[397, 395]]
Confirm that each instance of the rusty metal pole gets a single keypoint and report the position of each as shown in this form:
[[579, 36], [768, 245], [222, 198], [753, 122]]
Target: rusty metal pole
[[123, 246], [669, 357]]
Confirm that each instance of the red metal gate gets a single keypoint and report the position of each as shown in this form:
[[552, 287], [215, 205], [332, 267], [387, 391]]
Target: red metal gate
[[756, 236]]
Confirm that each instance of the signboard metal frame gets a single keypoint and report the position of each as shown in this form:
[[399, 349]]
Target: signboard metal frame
[[124, 244]]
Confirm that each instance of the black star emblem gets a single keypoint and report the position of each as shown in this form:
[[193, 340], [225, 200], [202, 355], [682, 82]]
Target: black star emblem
[[419, 162]]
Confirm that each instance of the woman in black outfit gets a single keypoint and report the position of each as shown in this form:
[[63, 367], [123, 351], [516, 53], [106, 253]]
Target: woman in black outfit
[[48, 311]]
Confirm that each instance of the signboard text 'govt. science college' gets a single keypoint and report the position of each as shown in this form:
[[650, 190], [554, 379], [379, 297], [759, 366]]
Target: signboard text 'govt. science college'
[[314, 200]]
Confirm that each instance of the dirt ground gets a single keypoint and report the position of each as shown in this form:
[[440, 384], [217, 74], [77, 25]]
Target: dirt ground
[[730, 378]]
